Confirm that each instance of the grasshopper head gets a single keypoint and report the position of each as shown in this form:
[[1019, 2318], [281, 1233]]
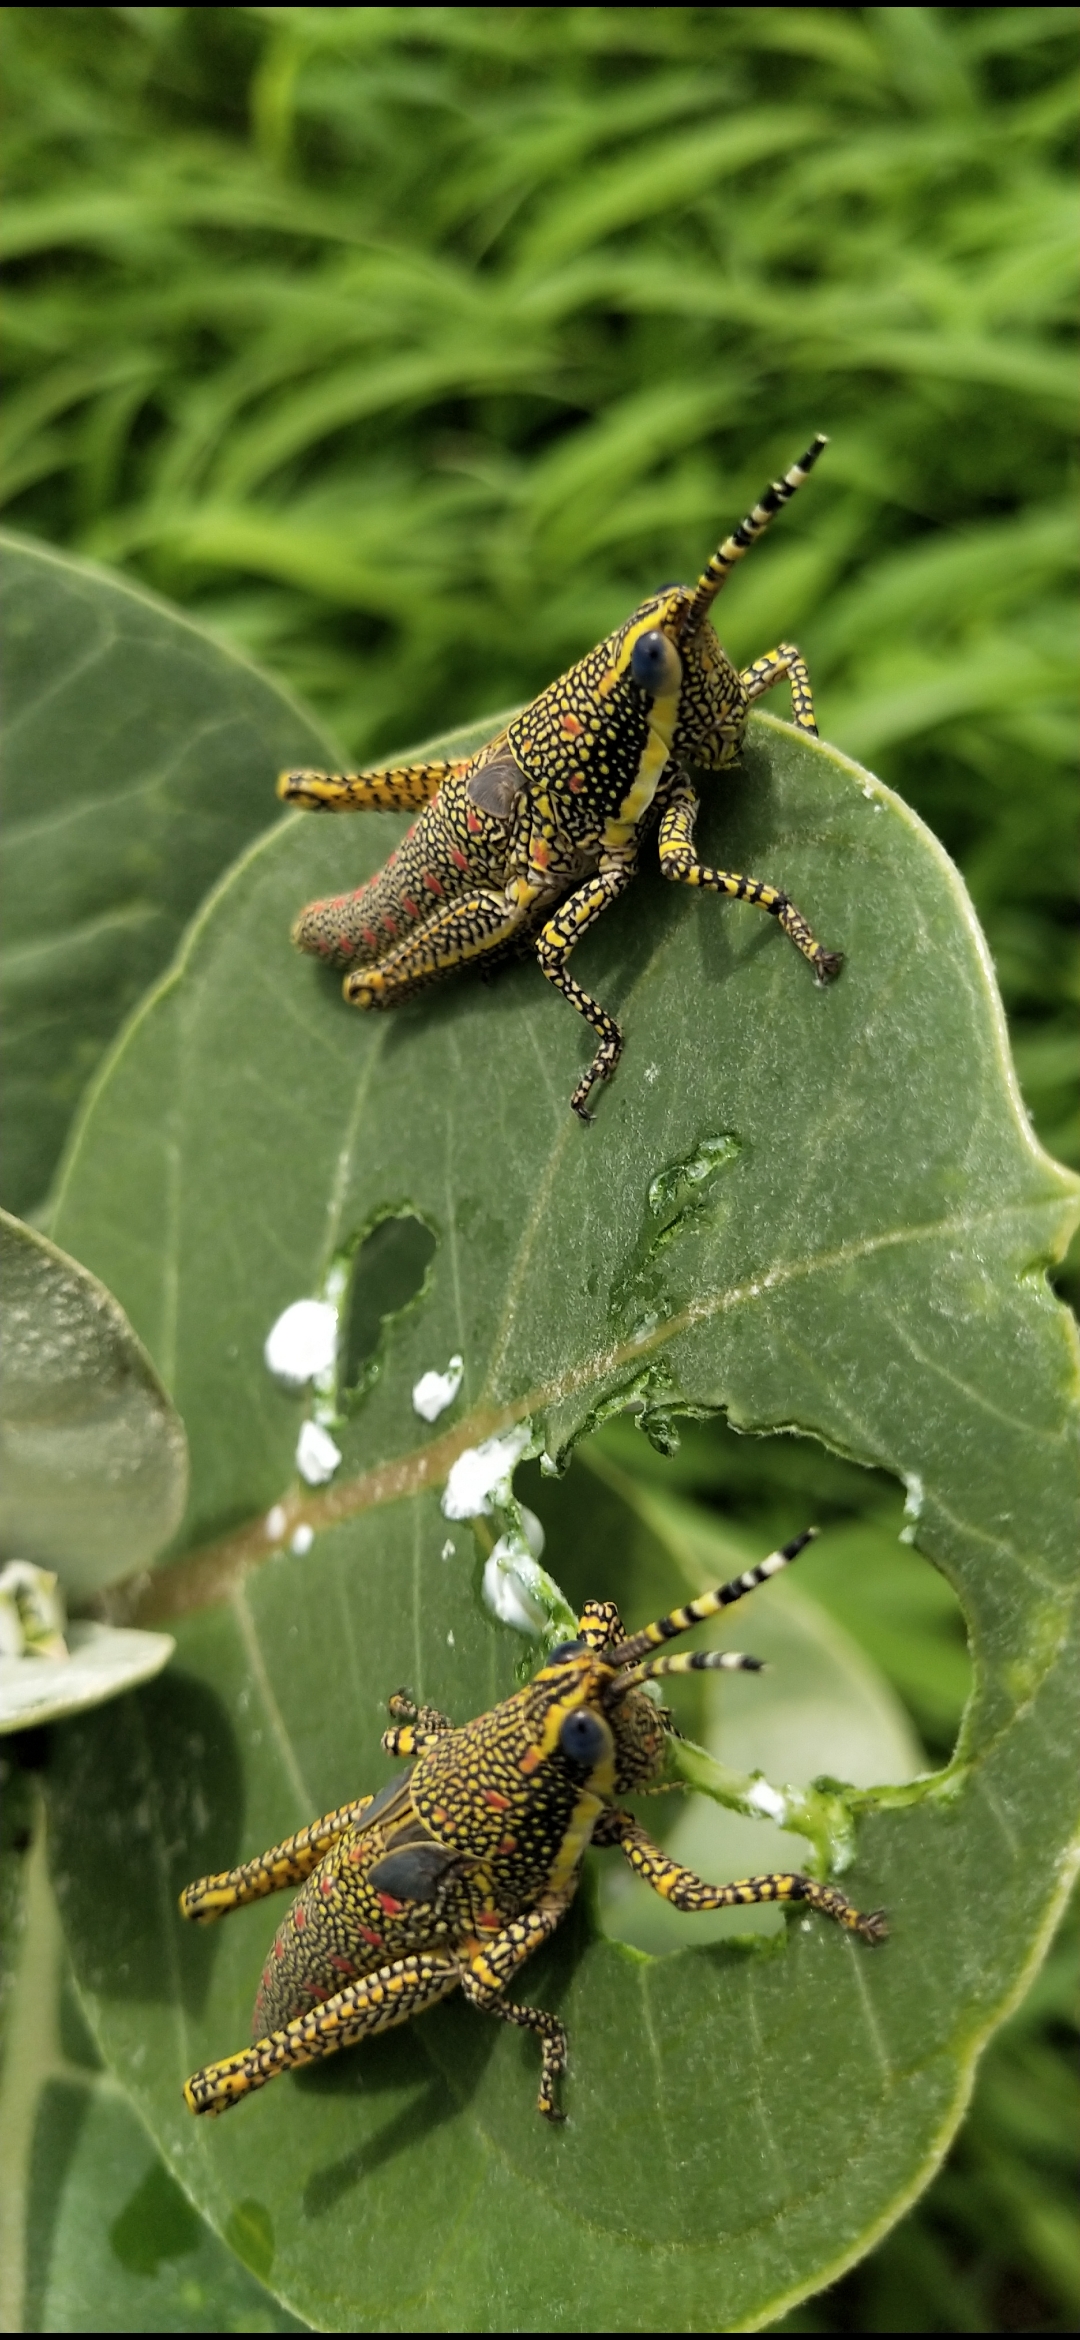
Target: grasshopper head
[[589, 1699], [695, 695], [612, 1741], [672, 647], [694, 689]]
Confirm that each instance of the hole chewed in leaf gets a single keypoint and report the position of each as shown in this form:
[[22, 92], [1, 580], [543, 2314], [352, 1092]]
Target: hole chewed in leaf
[[389, 1271]]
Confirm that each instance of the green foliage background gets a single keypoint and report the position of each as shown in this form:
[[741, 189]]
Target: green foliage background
[[408, 346]]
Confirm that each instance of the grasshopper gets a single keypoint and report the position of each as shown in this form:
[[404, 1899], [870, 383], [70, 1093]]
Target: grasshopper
[[534, 837], [452, 1875]]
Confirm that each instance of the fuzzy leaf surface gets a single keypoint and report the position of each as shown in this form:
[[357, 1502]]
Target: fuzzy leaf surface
[[94, 1456]]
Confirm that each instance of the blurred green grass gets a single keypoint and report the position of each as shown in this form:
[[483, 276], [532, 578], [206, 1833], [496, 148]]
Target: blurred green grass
[[408, 346]]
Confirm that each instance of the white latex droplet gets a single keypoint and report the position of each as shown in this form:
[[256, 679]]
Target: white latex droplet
[[767, 1799], [478, 1472], [509, 1587], [435, 1391], [302, 1343], [317, 1457]]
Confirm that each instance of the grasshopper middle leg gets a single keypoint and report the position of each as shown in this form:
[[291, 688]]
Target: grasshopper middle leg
[[679, 862]]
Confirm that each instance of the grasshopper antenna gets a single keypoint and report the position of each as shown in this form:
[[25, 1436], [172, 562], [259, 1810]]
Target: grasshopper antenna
[[737, 545]]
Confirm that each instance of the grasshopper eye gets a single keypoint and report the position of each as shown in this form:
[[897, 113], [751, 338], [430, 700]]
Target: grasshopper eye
[[582, 1736], [566, 1649], [655, 664]]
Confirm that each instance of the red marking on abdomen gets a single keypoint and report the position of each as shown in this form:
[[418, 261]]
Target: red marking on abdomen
[[344, 1965], [508, 1845], [386, 1901], [576, 781], [472, 822], [530, 1759], [570, 723], [375, 1941], [497, 1802], [434, 885], [412, 907], [326, 1887], [299, 1919], [458, 857]]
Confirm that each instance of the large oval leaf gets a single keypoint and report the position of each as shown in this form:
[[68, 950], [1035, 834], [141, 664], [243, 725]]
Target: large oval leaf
[[135, 756], [815, 1209], [93, 1455]]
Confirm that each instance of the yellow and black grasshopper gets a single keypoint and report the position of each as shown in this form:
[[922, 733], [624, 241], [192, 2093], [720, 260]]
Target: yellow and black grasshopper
[[454, 1874], [534, 837]]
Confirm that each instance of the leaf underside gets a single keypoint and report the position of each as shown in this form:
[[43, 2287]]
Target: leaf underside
[[860, 1258]]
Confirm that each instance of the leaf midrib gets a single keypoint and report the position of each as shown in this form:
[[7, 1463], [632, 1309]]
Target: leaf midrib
[[208, 1573]]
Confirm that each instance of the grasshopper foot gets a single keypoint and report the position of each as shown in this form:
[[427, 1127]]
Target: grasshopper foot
[[601, 1069]]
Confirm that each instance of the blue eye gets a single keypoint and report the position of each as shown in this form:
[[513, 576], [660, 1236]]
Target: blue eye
[[655, 664], [583, 1737], [565, 1649]]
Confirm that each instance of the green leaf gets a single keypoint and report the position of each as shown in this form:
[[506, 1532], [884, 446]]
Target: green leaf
[[822, 1210], [94, 1454], [102, 1662], [97, 2236], [140, 756]]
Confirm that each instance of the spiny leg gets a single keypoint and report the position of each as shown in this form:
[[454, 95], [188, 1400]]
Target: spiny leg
[[679, 862], [482, 1983], [399, 788], [377, 2002], [686, 1891], [415, 1726], [553, 2050], [770, 669], [466, 930], [554, 944], [287, 1863]]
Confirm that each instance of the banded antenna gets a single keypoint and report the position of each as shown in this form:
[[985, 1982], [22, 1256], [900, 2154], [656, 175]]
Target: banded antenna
[[626, 1656], [737, 545]]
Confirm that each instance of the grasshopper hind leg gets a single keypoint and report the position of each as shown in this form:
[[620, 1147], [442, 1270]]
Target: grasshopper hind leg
[[378, 2002]]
